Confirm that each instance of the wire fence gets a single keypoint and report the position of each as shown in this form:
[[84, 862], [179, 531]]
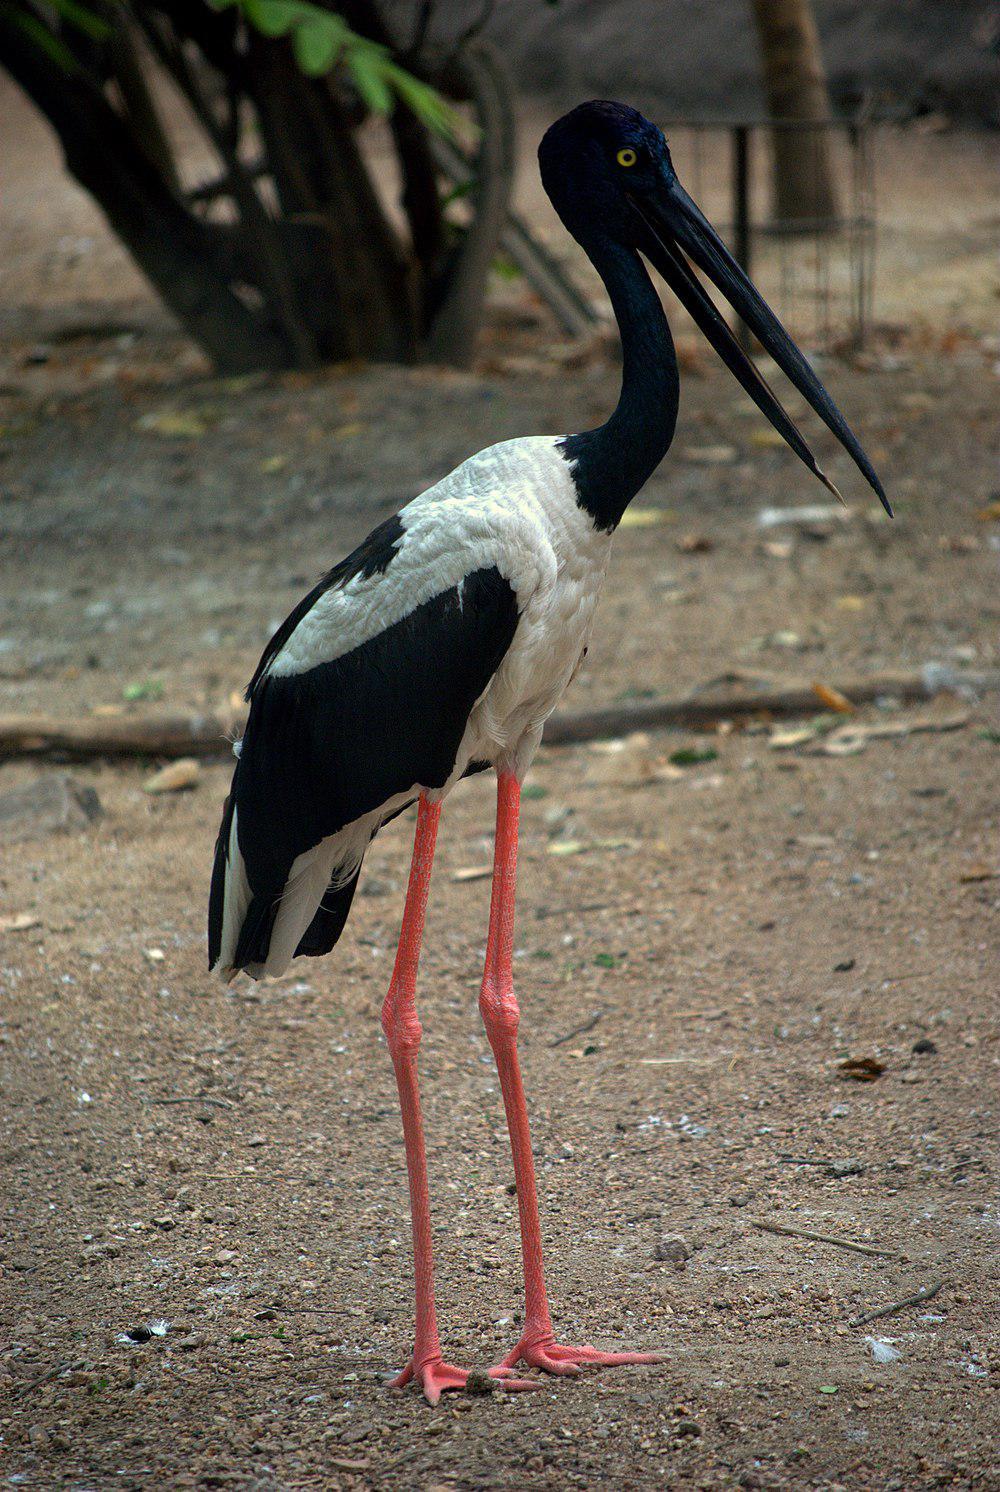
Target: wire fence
[[818, 273]]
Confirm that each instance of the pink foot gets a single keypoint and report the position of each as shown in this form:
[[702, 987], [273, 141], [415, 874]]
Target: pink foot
[[436, 1377], [555, 1357]]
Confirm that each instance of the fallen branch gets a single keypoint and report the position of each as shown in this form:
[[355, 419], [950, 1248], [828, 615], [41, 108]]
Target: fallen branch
[[49, 1376], [801, 699], [925, 1293], [841, 1243], [218, 1103], [209, 736], [129, 736], [580, 1030]]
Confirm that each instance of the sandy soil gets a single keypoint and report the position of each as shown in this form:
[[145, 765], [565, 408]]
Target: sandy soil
[[229, 1160]]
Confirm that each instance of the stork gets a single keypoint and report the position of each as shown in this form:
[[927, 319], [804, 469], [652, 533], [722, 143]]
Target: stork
[[440, 646]]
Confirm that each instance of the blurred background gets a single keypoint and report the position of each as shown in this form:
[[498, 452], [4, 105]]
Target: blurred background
[[267, 271]]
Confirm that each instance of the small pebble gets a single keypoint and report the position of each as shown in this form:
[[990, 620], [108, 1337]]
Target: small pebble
[[672, 1249]]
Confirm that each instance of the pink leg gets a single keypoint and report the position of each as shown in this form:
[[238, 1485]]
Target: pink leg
[[537, 1347], [402, 1032]]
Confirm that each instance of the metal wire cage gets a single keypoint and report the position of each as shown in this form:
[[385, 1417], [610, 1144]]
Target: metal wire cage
[[817, 272]]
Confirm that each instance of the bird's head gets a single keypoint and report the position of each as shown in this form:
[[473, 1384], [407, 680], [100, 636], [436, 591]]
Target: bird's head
[[608, 173]]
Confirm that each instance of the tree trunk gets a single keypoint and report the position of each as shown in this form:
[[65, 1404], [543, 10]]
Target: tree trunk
[[480, 73], [805, 195], [172, 249], [287, 258]]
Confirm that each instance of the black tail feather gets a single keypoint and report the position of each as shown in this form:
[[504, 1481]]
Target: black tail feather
[[330, 919], [254, 941], [217, 893]]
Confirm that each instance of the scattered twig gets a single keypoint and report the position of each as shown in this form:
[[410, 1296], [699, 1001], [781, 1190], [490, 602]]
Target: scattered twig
[[801, 1160], [926, 1292], [842, 1243], [580, 1030], [591, 906], [47, 1377], [219, 1103], [677, 1061]]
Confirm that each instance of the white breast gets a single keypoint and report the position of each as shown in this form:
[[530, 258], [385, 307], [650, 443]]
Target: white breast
[[513, 506]]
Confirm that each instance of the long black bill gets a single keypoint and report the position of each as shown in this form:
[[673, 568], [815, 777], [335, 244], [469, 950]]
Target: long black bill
[[679, 230]]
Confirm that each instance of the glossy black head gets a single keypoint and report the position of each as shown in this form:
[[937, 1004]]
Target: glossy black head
[[609, 175], [592, 157]]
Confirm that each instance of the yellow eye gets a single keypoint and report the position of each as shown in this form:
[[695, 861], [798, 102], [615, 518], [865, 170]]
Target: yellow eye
[[626, 157]]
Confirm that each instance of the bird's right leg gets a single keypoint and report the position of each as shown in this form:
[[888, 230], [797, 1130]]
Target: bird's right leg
[[402, 1033]]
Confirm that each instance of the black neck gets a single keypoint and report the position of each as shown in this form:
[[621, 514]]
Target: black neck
[[614, 461]]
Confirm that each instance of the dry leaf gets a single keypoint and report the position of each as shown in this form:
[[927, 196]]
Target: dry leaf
[[710, 455], [668, 773], [973, 873], [861, 1069], [19, 922], [850, 603], [813, 513], [852, 737], [155, 955], [779, 548], [833, 699], [695, 544], [644, 517], [566, 847], [784, 740], [274, 463], [174, 423], [345, 432], [765, 437], [472, 873], [107, 710], [185, 772], [843, 746], [989, 514]]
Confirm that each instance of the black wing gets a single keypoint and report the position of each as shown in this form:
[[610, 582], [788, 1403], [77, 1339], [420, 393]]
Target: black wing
[[372, 557], [324, 747]]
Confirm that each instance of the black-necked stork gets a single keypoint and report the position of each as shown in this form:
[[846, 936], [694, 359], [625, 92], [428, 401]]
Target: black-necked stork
[[442, 644]]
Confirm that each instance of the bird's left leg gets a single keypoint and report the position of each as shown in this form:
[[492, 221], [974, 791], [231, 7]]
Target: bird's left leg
[[402, 1033], [538, 1346]]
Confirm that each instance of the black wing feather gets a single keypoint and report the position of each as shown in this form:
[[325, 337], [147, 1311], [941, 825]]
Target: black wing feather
[[326, 746], [373, 556]]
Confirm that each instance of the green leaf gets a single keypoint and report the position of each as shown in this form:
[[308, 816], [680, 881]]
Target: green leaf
[[691, 756], [987, 734], [605, 960], [425, 101], [368, 74], [144, 689], [45, 40], [317, 41], [459, 190], [321, 40], [276, 17], [87, 21], [504, 268]]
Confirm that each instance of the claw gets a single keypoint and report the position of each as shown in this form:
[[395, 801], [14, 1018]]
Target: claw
[[566, 1361], [436, 1377]]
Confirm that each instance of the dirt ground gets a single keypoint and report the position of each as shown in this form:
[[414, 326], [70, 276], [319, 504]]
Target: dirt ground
[[699, 949]]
